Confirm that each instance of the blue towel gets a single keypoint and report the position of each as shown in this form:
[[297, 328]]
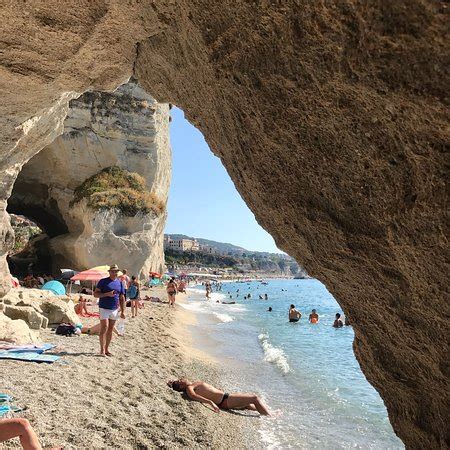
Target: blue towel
[[37, 349], [28, 356], [5, 409]]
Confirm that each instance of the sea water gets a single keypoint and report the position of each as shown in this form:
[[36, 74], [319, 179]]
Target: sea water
[[306, 372]]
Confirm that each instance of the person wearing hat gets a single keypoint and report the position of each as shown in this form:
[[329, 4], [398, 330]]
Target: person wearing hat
[[111, 295]]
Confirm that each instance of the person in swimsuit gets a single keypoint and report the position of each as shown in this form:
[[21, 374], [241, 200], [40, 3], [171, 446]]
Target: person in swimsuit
[[313, 317], [171, 292], [80, 307], [95, 330], [215, 398], [294, 315]]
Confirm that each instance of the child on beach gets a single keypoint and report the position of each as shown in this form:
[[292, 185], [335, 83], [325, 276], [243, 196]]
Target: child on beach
[[217, 399]]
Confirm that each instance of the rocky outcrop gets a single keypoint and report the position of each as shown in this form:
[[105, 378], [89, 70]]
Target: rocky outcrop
[[37, 307], [28, 314], [330, 117], [16, 331], [128, 129]]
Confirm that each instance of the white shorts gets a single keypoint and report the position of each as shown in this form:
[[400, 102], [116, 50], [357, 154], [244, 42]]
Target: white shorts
[[111, 314]]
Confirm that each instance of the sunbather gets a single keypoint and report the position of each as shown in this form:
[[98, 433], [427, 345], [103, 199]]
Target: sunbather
[[217, 399], [80, 307], [95, 329]]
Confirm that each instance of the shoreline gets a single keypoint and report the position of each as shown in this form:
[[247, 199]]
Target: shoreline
[[84, 401]]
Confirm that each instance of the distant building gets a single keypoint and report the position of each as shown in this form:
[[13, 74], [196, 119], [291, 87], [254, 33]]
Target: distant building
[[181, 245], [208, 249]]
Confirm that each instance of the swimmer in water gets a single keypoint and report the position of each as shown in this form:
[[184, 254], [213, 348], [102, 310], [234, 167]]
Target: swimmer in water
[[313, 317], [270, 309], [294, 315], [266, 297], [338, 322]]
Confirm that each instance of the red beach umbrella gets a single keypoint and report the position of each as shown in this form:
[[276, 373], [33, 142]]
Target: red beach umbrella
[[90, 275]]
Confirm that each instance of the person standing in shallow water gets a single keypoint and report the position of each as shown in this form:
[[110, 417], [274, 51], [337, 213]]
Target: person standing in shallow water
[[338, 321], [314, 317], [111, 293], [294, 315]]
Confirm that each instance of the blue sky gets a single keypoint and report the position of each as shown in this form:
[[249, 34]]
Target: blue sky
[[203, 201]]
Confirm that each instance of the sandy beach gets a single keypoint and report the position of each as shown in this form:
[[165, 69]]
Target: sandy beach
[[85, 401]]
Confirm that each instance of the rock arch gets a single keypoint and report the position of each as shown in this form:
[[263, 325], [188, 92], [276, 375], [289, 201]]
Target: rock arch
[[330, 118]]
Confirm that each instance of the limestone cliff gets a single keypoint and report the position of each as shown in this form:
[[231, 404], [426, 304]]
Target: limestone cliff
[[331, 118], [127, 129]]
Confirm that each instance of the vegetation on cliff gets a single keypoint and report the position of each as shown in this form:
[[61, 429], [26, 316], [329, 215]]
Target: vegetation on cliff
[[116, 188]]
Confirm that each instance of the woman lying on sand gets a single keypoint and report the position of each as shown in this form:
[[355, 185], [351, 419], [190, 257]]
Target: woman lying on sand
[[95, 329], [217, 399]]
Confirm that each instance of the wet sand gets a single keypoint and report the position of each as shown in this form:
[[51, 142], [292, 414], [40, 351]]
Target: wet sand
[[85, 401]]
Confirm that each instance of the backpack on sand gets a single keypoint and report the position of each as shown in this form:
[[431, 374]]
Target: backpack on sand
[[65, 329]]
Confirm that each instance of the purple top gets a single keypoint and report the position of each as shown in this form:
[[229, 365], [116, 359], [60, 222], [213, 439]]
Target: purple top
[[108, 285]]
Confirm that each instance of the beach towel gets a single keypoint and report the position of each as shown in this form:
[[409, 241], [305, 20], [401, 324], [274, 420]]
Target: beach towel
[[41, 348], [5, 405], [6, 408], [89, 314], [5, 398], [28, 356]]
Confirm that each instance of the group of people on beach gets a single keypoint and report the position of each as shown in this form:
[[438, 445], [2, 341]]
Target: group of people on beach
[[113, 292], [35, 282]]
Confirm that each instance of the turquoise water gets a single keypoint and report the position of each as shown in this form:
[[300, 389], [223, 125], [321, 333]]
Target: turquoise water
[[306, 372]]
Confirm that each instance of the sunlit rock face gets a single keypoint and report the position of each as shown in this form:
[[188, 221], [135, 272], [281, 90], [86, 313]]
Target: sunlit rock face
[[126, 128], [330, 117]]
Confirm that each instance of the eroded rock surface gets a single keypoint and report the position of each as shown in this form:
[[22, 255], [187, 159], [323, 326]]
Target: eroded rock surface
[[330, 117], [127, 129]]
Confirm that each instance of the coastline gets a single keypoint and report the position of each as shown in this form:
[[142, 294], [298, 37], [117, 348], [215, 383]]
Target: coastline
[[84, 401]]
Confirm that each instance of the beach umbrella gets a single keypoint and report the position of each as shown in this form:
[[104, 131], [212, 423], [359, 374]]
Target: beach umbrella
[[106, 269], [94, 274], [54, 286], [66, 274]]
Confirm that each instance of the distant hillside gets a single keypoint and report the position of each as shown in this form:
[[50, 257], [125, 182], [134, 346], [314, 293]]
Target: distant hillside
[[222, 247], [229, 255]]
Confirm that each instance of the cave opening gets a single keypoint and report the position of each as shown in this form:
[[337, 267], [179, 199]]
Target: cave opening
[[30, 254], [36, 221], [113, 131]]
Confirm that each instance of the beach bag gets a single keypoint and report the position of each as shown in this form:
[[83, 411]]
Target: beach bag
[[132, 292], [65, 329]]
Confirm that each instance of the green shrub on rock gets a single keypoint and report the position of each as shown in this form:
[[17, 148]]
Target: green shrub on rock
[[116, 188]]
